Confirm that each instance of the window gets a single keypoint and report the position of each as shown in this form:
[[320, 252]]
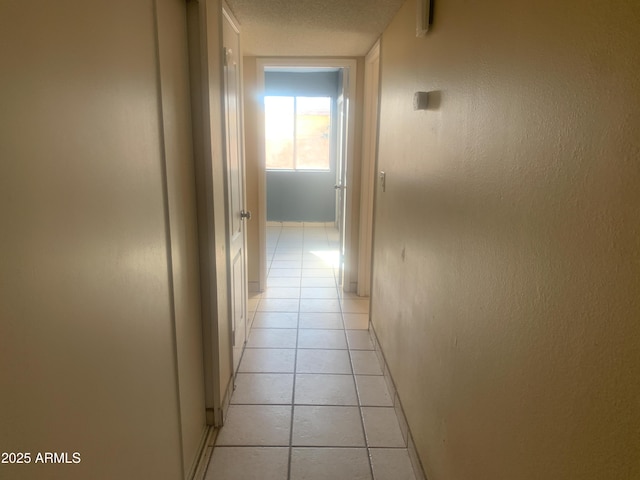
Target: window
[[297, 133]]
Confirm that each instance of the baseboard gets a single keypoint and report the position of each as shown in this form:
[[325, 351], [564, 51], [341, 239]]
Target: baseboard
[[206, 451], [418, 470], [226, 401]]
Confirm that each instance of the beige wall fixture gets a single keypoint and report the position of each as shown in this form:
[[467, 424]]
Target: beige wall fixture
[[423, 16]]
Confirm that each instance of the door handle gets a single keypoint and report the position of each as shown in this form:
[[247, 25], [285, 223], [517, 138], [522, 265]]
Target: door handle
[[339, 187], [245, 214]]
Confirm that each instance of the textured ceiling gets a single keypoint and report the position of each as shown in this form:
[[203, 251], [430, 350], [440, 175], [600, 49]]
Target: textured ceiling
[[312, 27]]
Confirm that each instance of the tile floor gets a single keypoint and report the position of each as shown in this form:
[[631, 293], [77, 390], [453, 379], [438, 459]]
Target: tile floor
[[310, 400]]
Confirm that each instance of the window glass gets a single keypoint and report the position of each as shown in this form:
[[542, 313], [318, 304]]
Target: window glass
[[297, 133], [313, 126], [278, 117]]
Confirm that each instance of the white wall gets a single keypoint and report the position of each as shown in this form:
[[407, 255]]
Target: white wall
[[97, 303], [506, 282]]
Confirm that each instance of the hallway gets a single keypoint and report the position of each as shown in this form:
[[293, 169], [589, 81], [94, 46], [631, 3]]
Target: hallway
[[310, 401]]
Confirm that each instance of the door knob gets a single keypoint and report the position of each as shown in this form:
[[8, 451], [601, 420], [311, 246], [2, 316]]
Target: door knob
[[245, 214]]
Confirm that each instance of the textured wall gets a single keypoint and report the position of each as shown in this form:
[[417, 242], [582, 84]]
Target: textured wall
[[507, 257]]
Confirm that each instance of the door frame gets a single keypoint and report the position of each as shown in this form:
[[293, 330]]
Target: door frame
[[351, 66], [369, 165], [228, 17]]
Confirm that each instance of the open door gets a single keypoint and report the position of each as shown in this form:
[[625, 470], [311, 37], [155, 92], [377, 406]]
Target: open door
[[341, 176], [234, 161], [368, 172]]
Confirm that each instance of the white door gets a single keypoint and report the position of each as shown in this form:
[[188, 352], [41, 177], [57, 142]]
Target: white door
[[368, 171], [342, 107], [235, 186]]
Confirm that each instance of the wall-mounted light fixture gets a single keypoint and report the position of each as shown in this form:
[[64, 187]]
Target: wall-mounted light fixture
[[424, 16]]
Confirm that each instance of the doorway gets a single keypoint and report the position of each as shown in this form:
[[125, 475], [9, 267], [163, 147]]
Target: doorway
[[309, 107]]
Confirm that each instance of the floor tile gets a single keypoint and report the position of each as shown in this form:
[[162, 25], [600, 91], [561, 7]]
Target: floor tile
[[365, 362], [286, 263], [307, 338], [282, 292], [315, 389], [316, 263], [278, 305], [263, 388], [233, 463], [317, 272], [359, 340], [272, 338], [330, 464], [289, 246], [327, 321], [323, 361], [373, 391], [327, 426], [284, 272], [356, 321], [318, 292], [391, 464], [318, 282], [326, 339], [256, 425], [381, 427], [267, 360], [287, 257], [283, 282], [351, 305], [275, 320], [319, 305], [289, 249]]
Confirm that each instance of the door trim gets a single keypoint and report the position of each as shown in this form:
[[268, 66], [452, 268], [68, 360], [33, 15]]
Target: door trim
[[369, 162]]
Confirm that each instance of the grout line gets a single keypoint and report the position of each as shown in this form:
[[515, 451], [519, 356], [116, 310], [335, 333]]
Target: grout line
[[364, 432], [294, 373], [353, 373], [293, 393]]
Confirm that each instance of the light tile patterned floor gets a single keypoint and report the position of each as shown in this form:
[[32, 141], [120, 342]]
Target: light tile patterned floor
[[310, 400]]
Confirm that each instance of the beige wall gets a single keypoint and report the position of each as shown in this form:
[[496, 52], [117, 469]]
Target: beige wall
[[99, 304], [506, 277]]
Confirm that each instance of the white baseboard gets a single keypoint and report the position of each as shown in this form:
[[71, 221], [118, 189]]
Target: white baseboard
[[418, 470], [200, 469]]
